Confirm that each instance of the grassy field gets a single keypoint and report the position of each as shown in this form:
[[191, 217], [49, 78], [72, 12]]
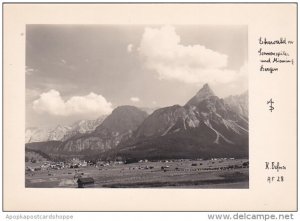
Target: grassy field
[[175, 174]]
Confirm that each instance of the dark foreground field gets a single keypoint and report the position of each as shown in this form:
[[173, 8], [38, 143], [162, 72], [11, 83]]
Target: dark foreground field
[[174, 174]]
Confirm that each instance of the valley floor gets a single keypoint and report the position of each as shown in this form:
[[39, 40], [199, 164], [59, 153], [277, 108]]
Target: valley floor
[[209, 174]]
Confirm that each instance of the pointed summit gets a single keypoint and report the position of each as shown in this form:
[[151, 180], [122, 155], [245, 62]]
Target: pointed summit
[[204, 93], [206, 90]]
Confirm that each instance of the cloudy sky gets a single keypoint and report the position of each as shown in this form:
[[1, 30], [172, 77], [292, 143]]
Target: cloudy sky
[[83, 71]]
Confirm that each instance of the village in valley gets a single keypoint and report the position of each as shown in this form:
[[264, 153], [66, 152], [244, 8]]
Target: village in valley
[[76, 173]]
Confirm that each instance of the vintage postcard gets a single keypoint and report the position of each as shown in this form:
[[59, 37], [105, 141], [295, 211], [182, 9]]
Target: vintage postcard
[[170, 105]]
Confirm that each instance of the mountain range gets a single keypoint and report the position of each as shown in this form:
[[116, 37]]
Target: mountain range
[[206, 126], [35, 134]]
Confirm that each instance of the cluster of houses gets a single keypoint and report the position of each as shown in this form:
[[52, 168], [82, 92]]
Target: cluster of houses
[[77, 163], [48, 165], [222, 158], [74, 163]]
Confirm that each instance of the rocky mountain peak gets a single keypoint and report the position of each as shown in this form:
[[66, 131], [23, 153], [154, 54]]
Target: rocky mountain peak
[[204, 93], [124, 109], [123, 119]]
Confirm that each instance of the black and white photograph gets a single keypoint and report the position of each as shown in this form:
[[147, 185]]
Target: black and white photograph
[[136, 106]]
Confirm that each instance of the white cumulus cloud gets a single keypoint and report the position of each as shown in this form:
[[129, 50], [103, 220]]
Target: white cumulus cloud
[[163, 53], [129, 48], [29, 70], [52, 103], [135, 99]]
